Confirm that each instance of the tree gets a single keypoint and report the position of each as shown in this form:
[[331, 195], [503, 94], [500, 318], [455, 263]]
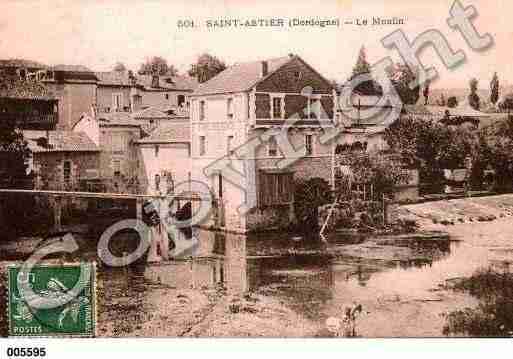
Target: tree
[[494, 89], [442, 101], [14, 151], [452, 102], [402, 76], [119, 67], [157, 65], [473, 97], [206, 67], [362, 67], [429, 146], [507, 103], [426, 92], [14, 156]]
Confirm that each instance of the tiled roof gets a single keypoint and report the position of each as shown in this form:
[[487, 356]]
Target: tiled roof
[[169, 133], [70, 68], [118, 119], [19, 89], [22, 63], [61, 141], [150, 112], [114, 78], [239, 77], [184, 83]]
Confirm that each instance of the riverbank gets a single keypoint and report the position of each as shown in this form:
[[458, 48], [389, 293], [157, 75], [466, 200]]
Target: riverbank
[[285, 286]]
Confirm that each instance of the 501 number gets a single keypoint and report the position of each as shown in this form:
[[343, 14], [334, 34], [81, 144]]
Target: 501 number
[[26, 352]]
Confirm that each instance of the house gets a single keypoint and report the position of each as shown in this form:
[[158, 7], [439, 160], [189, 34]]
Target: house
[[23, 69], [118, 91], [27, 104], [165, 157], [75, 87], [253, 103], [115, 135], [165, 91], [155, 116], [62, 160]]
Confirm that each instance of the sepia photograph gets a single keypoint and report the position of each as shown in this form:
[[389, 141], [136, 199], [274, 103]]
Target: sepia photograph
[[255, 169]]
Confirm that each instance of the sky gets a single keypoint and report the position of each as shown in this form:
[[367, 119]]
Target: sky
[[97, 34]]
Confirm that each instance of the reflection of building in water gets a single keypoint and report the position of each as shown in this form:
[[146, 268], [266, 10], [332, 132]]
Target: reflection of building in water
[[220, 258]]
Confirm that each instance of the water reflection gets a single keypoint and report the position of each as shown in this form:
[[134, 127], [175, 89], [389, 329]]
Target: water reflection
[[304, 274]]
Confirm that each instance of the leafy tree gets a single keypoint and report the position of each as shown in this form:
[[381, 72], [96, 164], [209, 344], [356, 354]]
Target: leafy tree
[[452, 102], [308, 196], [119, 66], [442, 101], [362, 67], [507, 103], [157, 65], [429, 146], [402, 76], [473, 97], [14, 155], [426, 92], [206, 67], [383, 173], [494, 89]]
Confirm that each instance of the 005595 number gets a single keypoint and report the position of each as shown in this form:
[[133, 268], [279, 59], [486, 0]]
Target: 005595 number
[[25, 352]]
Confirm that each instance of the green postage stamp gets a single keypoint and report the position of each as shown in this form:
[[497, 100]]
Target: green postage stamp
[[52, 300]]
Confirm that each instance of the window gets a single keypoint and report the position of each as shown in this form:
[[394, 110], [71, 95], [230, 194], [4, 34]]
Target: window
[[166, 96], [202, 145], [67, 172], [229, 144], [275, 188], [181, 100], [157, 148], [229, 108], [309, 145], [117, 101], [276, 107], [272, 147], [116, 168], [202, 110], [297, 75], [118, 143], [314, 108]]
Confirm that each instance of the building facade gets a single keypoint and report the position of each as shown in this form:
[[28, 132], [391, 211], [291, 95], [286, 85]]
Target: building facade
[[62, 160], [75, 87], [236, 121], [165, 159], [166, 91]]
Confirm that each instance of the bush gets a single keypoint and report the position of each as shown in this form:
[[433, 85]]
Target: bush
[[309, 195]]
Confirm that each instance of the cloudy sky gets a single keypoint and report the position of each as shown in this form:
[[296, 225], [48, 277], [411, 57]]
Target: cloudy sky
[[99, 33]]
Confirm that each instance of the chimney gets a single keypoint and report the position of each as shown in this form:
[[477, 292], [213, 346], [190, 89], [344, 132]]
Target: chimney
[[155, 81], [264, 69]]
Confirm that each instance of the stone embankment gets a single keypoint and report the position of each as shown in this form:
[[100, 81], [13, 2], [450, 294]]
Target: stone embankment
[[440, 215]]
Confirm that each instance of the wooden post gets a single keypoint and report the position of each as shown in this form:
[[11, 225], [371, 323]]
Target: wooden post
[[57, 213], [164, 239], [384, 210], [138, 209]]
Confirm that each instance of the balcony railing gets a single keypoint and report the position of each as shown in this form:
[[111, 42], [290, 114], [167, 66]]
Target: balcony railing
[[29, 119]]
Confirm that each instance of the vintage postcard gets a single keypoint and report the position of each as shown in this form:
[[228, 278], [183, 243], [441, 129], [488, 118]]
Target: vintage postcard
[[271, 169]]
